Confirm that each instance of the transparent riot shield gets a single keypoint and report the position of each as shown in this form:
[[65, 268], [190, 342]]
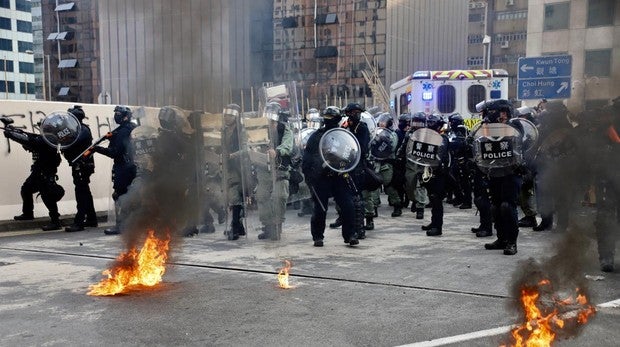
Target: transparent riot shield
[[382, 144], [339, 150], [530, 135], [60, 129], [498, 148], [426, 148], [212, 171], [271, 143]]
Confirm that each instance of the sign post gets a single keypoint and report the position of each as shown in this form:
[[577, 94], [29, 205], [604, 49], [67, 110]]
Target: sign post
[[546, 77]]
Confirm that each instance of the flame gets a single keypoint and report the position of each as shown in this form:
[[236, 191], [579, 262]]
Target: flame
[[135, 268], [283, 276], [543, 320]]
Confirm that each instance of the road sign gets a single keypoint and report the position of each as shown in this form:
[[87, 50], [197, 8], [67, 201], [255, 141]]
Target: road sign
[[547, 77]]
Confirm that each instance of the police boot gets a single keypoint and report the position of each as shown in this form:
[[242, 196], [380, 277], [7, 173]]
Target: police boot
[[398, 211], [427, 227], [497, 244], [433, 232], [207, 229], [268, 230], [53, 225], [336, 224], [376, 214], [545, 224], [74, 227], [527, 222], [419, 213], [511, 249], [236, 227], [24, 216], [607, 264], [370, 224], [112, 231], [484, 232], [190, 231]]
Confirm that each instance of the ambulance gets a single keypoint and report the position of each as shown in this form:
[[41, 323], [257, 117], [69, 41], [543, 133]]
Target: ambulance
[[448, 92]]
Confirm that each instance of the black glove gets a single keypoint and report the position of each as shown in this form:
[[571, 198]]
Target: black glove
[[7, 134]]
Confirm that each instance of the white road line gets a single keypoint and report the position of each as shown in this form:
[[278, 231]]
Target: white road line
[[483, 333]]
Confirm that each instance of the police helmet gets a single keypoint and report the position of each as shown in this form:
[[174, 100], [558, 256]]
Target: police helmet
[[331, 112], [77, 112], [455, 119], [434, 122], [418, 120], [385, 120], [353, 107], [122, 114], [312, 113], [491, 110]]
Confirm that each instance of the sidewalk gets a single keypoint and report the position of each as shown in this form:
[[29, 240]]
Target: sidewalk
[[66, 220]]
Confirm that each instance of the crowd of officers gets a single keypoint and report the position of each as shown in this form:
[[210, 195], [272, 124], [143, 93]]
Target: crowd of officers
[[546, 182]]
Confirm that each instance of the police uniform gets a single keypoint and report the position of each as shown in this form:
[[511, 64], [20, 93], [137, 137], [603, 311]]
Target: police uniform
[[272, 196], [123, 167], [42, 178], [81, 170], [413, 172], [504, 188], [436, 183], [325, 183]]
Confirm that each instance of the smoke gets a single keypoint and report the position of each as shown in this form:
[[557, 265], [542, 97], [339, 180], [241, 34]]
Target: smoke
[[164, 199], [578, 182]]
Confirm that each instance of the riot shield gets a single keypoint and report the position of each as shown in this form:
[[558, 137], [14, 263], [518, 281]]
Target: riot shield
[[339, 150], [60, 129], [498, 148], [382, 144], [269, 143], [370, 121], [426, 148], [530, 134], [143, 141], [214, 172]]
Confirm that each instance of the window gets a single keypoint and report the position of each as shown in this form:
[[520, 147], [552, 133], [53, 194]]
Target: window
[[601, 12], [475, 17], [446, 99], [5, 84], [22, 88], [556, 16], [475, 38], [5, 3], [5, 23], [26, 67], [475, 94], [6, 45], [22, 5], [24, 27], [598, 63], [404, 102], [9, 65], [23, 46]]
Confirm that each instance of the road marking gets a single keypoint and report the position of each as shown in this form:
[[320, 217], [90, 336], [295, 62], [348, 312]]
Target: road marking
[[483, 333]]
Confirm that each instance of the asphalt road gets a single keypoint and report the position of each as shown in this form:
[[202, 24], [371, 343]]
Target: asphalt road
[[397, 287]]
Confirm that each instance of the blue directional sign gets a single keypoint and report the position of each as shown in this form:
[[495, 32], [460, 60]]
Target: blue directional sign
[[547, 77]]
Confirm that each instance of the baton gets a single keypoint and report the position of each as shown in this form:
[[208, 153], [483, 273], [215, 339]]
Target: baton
[[317, 199], [88, 151]]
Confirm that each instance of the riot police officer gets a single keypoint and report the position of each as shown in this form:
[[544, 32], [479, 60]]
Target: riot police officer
[[42, 178], [383, 152], [413, 172], [233, 173], [459, 171], [398, 180], [504, 182], [434, 177], [355, 125], [81, 170], [325, 183], [273, 184], [123, 168]]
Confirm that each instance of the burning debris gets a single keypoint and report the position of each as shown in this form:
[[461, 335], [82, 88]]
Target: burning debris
[[548, 315], [283, 276], [552, 294], [135, 268]]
